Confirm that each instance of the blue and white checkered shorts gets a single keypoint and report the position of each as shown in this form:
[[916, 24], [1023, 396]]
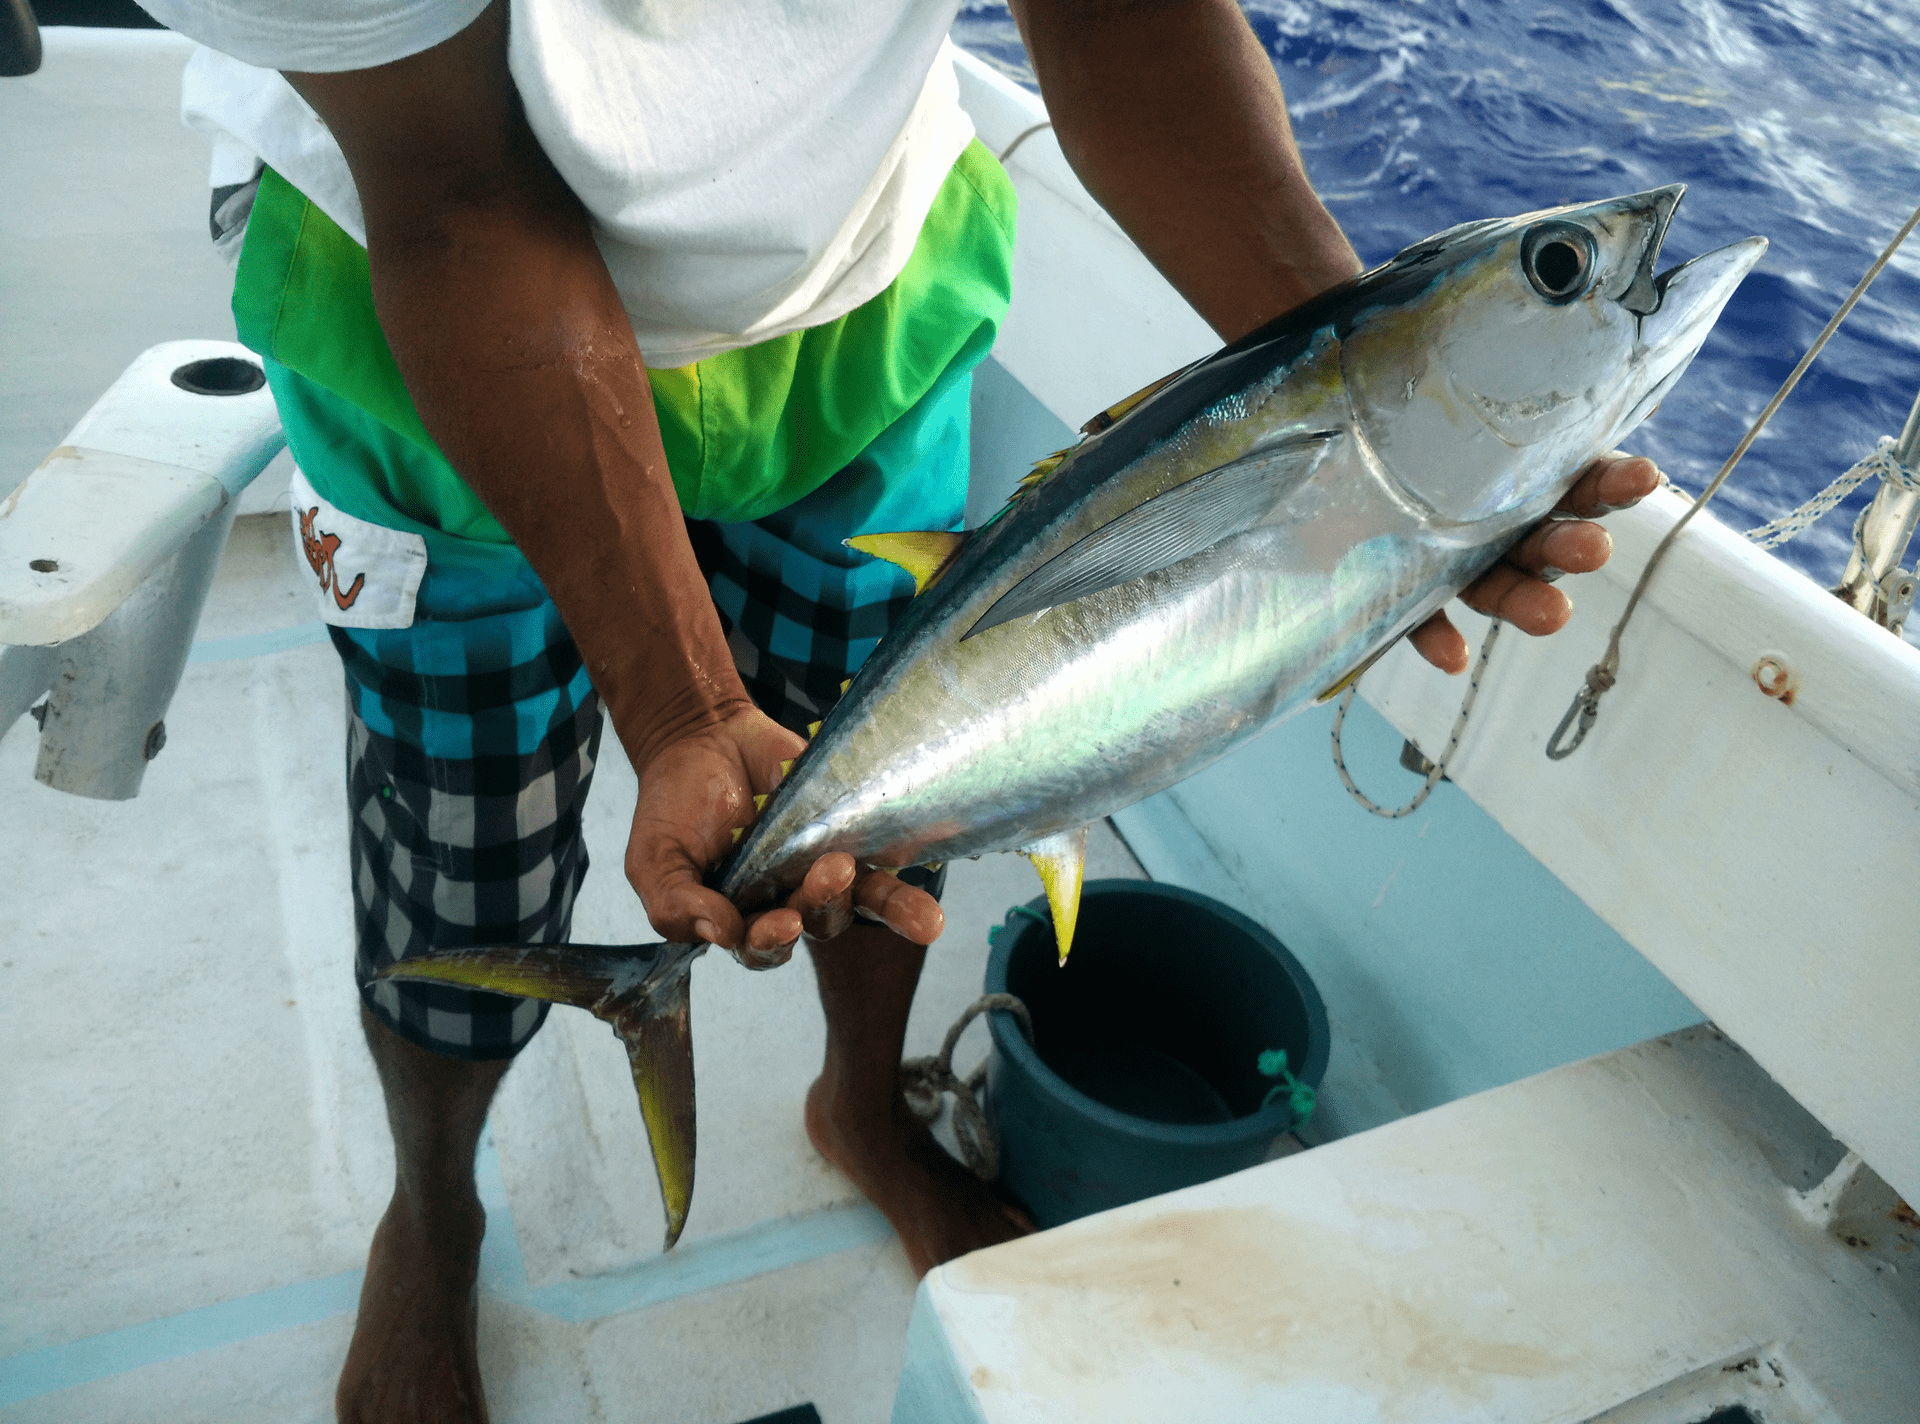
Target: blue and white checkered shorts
[[471, 740]]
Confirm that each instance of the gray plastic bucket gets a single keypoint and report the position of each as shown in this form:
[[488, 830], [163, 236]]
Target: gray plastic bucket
[[1144, 1075]]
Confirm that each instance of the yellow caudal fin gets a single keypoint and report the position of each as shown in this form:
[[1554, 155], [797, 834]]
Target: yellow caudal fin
[[923, 554], [659, 1045], [1062, 863]]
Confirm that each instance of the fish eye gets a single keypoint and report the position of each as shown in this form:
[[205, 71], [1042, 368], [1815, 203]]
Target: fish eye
[[1558, 258]]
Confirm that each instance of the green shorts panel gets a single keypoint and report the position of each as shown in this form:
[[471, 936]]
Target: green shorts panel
[[746, 433]]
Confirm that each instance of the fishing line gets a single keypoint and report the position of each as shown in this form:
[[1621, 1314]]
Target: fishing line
[[1585, 707]]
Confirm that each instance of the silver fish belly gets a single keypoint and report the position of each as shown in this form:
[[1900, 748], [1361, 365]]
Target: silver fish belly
[[1243, 539]]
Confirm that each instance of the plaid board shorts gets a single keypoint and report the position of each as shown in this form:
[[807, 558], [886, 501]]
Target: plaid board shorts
[[471, 742]]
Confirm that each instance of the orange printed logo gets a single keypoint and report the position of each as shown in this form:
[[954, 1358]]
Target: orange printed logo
[[320, 548]]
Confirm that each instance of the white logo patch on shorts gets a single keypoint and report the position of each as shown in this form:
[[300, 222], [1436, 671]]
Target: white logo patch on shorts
[[369, 575]]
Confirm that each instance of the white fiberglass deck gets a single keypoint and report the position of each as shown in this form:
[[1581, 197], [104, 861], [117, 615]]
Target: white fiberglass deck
[[196, 1151], [195, 1154]]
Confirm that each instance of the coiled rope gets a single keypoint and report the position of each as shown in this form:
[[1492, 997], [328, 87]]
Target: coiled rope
[[925, 1080]]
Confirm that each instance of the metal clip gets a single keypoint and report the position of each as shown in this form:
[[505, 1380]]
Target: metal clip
[[1896, 594], [1585, 706]]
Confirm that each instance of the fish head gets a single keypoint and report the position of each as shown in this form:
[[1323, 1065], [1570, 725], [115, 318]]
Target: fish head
[[1487, 364]]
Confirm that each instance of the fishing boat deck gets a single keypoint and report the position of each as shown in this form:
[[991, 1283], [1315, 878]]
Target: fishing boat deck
[[196, 1148]]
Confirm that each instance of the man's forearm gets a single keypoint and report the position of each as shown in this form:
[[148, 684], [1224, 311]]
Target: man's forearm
[[1170, 113], [522, 361], [523, 364]]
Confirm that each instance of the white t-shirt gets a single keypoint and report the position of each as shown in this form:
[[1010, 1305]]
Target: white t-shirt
[[752, 167]]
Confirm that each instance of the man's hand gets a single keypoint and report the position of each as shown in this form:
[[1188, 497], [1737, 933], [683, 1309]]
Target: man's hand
[[1519, 589], [523, 365], [693, 794]]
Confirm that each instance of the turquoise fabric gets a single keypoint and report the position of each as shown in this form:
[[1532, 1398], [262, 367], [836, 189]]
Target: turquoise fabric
[[484, 624]]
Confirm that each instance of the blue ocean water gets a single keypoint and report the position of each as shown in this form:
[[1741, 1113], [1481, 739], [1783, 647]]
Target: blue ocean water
[[1795, 119]]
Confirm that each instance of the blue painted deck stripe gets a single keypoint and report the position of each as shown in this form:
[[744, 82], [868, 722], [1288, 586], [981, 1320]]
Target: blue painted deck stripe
[[703, 1265], [693, 1267], [56, 1367], [717, 1261], [257, 645]]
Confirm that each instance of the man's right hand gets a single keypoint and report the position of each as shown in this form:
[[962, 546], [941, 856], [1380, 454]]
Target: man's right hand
[[522, 362], [693, 793]]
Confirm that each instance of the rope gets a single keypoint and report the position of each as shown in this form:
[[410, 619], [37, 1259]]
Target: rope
[[1439, 768], [1585, 707], [1021, 138], [1881, 462], [926, 1080]]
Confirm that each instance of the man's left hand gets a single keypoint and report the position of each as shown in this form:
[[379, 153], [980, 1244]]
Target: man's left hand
[[1519, 589]]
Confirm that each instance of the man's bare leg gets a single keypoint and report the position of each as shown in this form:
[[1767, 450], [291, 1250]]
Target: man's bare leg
[[860, 1122], [412, 1356]]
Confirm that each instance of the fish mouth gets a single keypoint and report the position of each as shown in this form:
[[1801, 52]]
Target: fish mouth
[[1672, 304], [1689, 299], [1694, 292], [1654, 208]]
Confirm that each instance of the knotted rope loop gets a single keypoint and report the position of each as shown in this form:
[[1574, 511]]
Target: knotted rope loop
[[925, 1081], [1439, 768]]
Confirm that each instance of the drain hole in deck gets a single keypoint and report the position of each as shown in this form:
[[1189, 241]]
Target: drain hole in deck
[[45, 566], [219, 376]]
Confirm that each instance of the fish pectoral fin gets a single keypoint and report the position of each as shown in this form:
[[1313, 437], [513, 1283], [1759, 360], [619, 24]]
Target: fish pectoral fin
[[923, 553], [1062, 862], [1173, 525]]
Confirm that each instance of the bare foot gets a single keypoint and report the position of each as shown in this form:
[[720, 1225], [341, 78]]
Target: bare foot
[[412, 1360], [938, 1207]]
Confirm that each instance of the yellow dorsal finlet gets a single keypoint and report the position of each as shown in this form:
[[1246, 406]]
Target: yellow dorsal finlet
[[1044, 466], [813, 730], [922, 553], [1062, 862], [760, 801], [1120, 408], [1351, 678]]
